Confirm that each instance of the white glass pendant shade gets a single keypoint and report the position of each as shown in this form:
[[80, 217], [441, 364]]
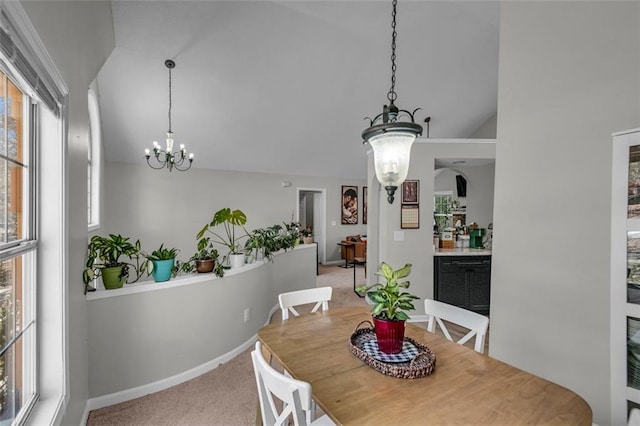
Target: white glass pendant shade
[[391, 153]]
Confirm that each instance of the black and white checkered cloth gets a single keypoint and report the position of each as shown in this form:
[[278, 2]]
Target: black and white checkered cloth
[[409, 351]]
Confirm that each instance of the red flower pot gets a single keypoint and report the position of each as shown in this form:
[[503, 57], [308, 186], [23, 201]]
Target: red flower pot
[[390, 335]]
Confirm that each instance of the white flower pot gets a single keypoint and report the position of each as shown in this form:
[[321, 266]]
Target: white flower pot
[[236, 260]]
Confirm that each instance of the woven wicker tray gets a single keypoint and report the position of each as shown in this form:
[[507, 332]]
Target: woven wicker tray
[[420, 365]]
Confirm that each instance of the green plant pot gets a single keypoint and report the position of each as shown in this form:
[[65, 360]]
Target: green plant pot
[[162, 270], [111, 278]]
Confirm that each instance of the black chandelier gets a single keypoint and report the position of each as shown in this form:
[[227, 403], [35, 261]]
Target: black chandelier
[[389, 138], [167, 157]]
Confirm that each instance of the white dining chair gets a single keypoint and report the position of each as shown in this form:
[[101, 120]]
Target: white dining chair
[[321, 296], [436, 312], [295, 396]]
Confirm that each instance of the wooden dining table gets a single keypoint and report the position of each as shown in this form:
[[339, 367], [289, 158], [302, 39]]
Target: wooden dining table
[[466, 387]]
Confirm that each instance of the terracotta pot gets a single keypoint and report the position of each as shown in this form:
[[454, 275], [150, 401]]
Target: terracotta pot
[[390, 335], [204, 266], [307, 240]]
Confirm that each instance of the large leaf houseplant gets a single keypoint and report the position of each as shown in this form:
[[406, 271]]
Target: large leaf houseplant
[[233, 232], [112, 258], [390, 302]]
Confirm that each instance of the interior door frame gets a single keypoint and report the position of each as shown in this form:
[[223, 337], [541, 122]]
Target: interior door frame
[[322, 220]]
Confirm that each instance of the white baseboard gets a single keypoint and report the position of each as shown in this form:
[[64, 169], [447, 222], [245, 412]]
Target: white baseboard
[[137, 392]]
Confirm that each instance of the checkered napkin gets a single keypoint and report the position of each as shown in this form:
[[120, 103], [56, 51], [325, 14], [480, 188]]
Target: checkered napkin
[[409, 351]]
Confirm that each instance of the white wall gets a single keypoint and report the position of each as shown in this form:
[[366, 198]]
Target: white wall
[[79, 37], [144, 338], [569, 77], [488, 129], [156, 206]]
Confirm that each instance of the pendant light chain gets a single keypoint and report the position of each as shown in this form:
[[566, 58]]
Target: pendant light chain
[[169, 100], [392, 96]]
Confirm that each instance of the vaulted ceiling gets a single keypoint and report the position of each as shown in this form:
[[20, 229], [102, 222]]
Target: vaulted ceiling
[[284, 86]]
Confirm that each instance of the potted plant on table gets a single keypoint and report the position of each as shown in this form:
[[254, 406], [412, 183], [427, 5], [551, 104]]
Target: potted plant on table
[[162, 264], [230, 220], [104, 258], [389, 306]]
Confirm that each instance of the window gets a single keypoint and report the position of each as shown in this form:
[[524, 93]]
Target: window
[[93, 168], [33, 227], [442, 210], [17, 254]]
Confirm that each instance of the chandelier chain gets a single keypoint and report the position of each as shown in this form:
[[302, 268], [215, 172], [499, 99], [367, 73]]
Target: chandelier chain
[[392, 95]]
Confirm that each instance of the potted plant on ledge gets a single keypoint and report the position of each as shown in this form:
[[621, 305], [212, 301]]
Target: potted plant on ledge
[[204, 260], [162, 263], [229, 219], [389, 304], [104, 259], [307, 235]]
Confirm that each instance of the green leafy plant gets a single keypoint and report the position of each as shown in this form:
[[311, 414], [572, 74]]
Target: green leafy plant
[[291, 235], [159, 254], [230, 220], [162, 253], [205, 252], [389, 300], [306, 232], [109, 252]]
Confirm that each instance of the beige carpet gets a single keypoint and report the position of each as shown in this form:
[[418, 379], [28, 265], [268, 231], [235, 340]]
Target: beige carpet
[[224, 396]]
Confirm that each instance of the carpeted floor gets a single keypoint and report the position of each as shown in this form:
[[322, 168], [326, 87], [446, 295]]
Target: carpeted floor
[[224, 396]]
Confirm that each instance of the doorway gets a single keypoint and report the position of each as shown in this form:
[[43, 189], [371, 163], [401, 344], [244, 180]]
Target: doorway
[[311, 213]]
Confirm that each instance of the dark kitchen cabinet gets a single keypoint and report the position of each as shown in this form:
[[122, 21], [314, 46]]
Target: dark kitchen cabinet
[[463, 281]]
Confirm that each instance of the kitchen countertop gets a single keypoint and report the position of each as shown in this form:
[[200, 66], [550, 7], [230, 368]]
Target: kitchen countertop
[[458, 251]]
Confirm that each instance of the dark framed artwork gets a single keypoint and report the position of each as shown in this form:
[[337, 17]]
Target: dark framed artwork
[[411, 192], [410, 216], [365, 196], [349, 203]]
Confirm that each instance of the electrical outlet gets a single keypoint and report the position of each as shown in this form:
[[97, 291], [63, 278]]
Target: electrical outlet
[[246, 315]]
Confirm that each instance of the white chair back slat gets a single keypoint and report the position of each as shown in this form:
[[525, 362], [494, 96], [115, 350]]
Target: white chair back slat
[[476, 324], [295, 395], [320, 296]]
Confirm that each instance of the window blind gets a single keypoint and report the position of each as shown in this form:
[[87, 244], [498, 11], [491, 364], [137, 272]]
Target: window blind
[[27, 64]]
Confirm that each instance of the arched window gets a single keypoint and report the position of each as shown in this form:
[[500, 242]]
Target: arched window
[[93, 167]]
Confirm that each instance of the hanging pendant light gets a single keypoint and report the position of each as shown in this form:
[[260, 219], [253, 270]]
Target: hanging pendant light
[[167, 157], [389, 138]]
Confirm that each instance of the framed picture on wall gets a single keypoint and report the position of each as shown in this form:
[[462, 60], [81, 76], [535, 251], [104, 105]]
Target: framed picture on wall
[[365, 196], [411, 192], [349, 203], [410, 217]]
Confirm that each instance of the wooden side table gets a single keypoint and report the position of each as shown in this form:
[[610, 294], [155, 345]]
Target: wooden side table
[[347, 245]]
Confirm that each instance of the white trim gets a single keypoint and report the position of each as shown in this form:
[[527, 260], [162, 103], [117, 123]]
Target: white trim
[[159, 385], [322, 220]]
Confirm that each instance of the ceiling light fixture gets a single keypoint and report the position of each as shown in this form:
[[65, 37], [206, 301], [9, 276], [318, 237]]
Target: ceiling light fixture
[[168, 158], [390, 139]]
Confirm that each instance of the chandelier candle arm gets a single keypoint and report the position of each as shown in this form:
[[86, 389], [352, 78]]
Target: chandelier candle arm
[[389, 138], [167, 157]]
